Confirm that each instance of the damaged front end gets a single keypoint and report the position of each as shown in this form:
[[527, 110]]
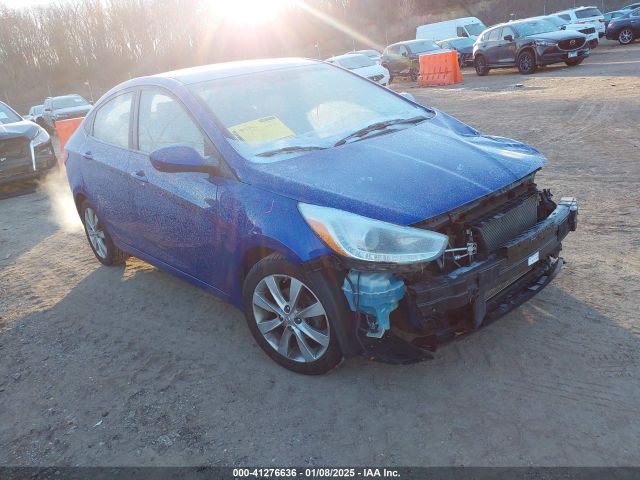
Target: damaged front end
[[502, 250]]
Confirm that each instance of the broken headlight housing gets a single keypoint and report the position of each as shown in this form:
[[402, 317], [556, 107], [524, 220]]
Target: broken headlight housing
[[41, 137], [370, 240]]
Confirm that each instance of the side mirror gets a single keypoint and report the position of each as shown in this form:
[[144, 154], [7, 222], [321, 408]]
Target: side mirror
[[47, 109], [508, 38], [563, 27], [180, 158], [408, 96]]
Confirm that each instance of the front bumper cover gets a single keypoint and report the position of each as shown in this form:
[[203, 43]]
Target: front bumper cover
[[482, 292]]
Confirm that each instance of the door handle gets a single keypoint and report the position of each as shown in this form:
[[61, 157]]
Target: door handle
[[139, 175], [87, 155]]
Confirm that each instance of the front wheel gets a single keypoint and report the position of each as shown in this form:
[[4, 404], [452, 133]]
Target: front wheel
[[527, 63], [291, 318], [480, 65], [574, 62], [625, 37]]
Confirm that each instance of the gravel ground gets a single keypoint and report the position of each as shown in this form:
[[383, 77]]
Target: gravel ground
[[131, 366]]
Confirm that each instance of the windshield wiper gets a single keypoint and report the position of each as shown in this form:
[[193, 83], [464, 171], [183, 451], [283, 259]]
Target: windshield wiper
[[380, 126], [292, 149]]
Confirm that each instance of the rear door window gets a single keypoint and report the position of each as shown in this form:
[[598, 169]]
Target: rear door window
[[588, 13], [113, 120]]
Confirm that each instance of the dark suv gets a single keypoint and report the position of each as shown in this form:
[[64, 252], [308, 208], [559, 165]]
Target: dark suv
[[63, 108], [402, 58], [527, 45]]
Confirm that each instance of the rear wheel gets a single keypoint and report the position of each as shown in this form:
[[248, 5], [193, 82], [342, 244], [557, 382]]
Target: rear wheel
[[625, 37], [480, 65], [527, 63], [414, 74], [99, 239], [574, 62], [290, 317]]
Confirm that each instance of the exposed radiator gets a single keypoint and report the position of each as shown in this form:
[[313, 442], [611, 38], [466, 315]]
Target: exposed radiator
[[498, 227]]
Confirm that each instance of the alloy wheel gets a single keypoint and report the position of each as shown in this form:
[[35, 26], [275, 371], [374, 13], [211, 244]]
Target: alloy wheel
[[525, 63], [95, 232], [626, 36], [291, 318]]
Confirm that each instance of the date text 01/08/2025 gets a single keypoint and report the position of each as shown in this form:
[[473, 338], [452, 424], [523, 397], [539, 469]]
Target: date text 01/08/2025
[[315, 472]]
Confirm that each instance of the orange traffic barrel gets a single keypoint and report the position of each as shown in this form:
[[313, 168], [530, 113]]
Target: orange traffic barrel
[[440, 68], [65, 128]]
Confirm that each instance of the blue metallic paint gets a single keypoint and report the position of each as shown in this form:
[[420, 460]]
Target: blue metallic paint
[[201, 227]]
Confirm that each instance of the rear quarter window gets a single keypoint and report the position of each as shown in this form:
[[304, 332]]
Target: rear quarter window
[[588, 13]]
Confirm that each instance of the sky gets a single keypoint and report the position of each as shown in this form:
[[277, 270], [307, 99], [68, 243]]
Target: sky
[[23, 3]]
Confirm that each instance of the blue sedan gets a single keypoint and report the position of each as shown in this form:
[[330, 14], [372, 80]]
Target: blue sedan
[[343, 218]]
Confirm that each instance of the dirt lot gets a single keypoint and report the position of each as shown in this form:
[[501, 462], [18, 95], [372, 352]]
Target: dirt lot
[[131, 366]]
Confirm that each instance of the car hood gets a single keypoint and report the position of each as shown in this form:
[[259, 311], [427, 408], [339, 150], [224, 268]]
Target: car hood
[[403, 177], [466, 50], [78, 109], [557, 35], [18, 129]]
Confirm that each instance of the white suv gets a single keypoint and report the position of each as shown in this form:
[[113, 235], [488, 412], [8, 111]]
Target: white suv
[[588, 16]]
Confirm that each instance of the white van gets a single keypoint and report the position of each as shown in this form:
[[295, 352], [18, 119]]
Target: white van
[[460, 27]]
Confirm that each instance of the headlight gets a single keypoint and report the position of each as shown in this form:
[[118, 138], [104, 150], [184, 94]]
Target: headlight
[[371, 240], [544, 43], [41, 137]]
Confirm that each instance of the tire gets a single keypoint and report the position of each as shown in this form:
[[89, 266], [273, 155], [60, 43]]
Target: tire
[[414, 74], [303, 344], [593, 44], [480, 64], [626, 36], [526, 63], [99, 239], [574, 62]]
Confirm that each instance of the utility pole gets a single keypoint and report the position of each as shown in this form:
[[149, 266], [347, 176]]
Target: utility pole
[[90, 90]]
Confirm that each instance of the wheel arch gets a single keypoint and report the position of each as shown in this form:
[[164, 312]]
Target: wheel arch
[[527, 48], [258, 249]]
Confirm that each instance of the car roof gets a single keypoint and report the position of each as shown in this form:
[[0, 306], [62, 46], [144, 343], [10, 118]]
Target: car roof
[[347, 55], [232, 69], [411, 42], [568, 10], [450, 39]]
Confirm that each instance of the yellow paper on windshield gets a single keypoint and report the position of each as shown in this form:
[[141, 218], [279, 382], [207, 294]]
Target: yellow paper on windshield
[[262, 130]]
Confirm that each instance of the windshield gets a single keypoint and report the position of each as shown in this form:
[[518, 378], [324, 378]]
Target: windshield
[[68, 102], [588, 13], [462, 42], [475, 29], [354, 61], [369, 53], [423, 46], [311, 106], [534, 27], [7, 115], [36, 110], [557, 21]]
